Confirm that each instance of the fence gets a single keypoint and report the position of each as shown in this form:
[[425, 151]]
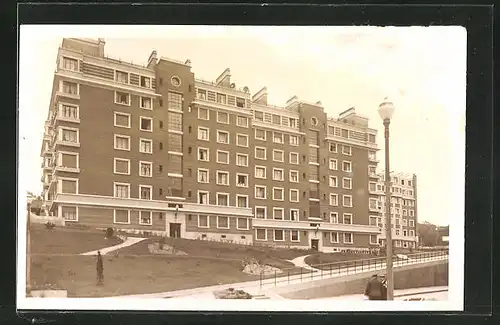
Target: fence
[[327, 270]]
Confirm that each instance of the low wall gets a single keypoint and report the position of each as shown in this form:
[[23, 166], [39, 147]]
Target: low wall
[[405, 277]]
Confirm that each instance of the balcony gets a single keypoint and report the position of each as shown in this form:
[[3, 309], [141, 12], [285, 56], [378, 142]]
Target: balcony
[[320, 226], [67, 169], [375, 208], [66, 143]]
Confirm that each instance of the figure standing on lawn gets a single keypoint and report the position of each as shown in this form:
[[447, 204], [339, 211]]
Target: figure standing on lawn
[[100, 269]]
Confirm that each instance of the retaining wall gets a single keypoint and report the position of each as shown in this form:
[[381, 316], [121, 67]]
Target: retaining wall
[[405, 277]]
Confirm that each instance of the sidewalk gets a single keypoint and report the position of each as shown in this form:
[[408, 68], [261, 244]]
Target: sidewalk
[[128, 242], [261, 287], [300, 262]]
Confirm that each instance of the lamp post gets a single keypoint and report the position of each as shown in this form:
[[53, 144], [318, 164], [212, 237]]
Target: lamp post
[[386, 109]]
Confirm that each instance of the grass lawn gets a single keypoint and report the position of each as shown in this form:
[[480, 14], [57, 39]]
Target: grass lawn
[[67, 241], [132, 274], [196, 248]]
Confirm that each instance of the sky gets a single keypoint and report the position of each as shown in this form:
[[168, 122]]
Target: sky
[[421, 69]]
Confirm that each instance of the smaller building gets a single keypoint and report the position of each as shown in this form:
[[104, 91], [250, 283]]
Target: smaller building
[[403, 209]]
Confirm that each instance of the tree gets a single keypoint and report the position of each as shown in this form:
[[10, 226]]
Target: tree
[[428, 234]]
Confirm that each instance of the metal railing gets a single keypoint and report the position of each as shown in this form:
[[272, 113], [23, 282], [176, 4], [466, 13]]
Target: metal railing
[[328, 270]]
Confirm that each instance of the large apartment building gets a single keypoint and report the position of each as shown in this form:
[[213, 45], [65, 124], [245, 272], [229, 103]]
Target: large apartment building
[[152, 148], [403, 209]]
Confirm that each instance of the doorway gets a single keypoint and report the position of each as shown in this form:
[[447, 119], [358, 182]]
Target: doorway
[[175, 230], [315, 244]]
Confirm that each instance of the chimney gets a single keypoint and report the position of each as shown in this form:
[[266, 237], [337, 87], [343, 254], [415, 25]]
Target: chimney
[[224, 79], [100, 44], [260, 97]]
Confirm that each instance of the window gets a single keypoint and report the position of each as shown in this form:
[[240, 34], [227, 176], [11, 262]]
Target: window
[[411, 223], [145, 145], [68, 160], [122, 98], [121, 166], [70, 88], [174, 101], [242, 180], [242, 223], [294, 176], [278, 155], [294, 235], [373, 221], [203, 154], [241, 160], [278, 213], [278, 137], [278, 194], [347, 166], [223, 117], [145, 169], [242, 121], [260, 192], [222, 157], [121, 216], [347, 183], [261, 234], [405, 233], [203, 221], [412, 233], [70, 213], [203, 175], [278, 174], [145, 192], [240, 102], [202, 93], [242, 140], [145, 218], [373, 239], [67, 185], [333, 164], [346, 150], [203, 197], [333, 147], [279, 235], [203, 113], [121, 77], [70, 64], [223, 137], [146, 102], [222, 178], [122, 190], [260, 134], [222, 222], [222, 199], [294, 140], [122, 142], [333, 181], [260, 212], [221, 98], [294, 195], [294, 214], [260, 153], [122, 120], [372, 187], [348, 238], [334, 237], [313, 155], [242, 201], [68, 112], [412, 213], [294, 158], [373, 204], [174, 121], [334, 199], [145, 82], [146, 124], [347, 200], [203, 133], [334, 217], [260, 172], [372, 170], [347, 219]]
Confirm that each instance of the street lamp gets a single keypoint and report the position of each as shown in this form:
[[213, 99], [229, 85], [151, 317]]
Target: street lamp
[[386, 109]]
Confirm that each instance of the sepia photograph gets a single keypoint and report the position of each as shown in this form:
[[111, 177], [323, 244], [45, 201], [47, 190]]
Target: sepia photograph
[[311, 168]]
